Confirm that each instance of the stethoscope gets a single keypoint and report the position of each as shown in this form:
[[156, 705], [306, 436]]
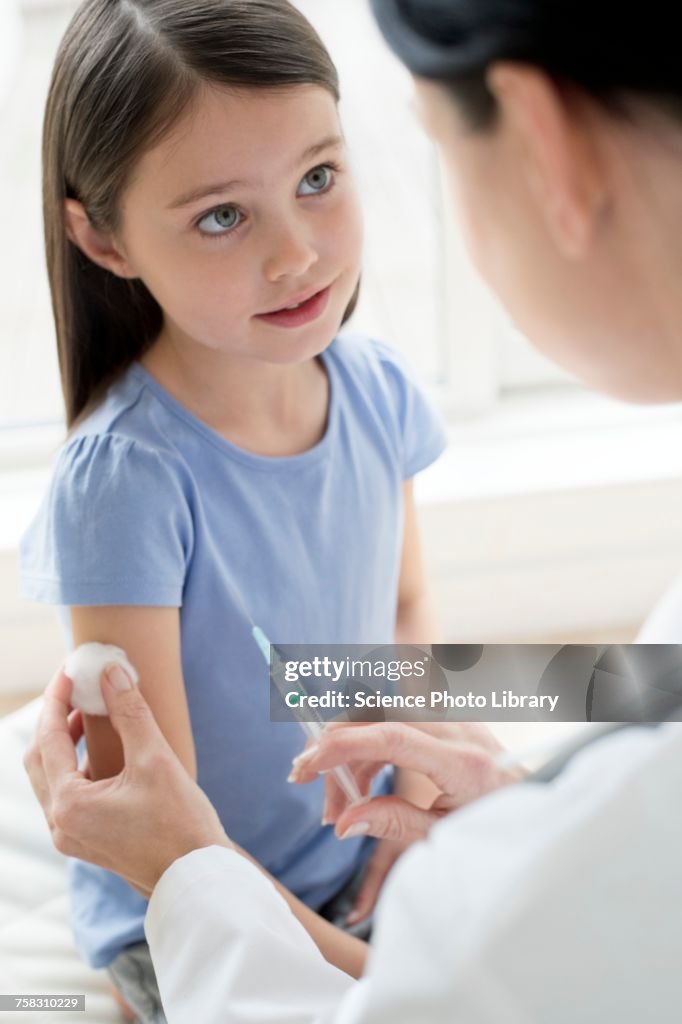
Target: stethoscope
[[568, 749]]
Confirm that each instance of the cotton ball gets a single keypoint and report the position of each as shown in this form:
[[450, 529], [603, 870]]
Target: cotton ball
[[84, 668]]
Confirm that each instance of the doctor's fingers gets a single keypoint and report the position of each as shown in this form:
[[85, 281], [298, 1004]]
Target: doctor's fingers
[[397, 743], [131, 717], [33, 764], [51, 756], [387, 817], [84, 815], [471, 773], [335, 799]]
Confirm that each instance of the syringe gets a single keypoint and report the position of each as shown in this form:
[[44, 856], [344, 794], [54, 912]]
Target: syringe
[[311, 721]]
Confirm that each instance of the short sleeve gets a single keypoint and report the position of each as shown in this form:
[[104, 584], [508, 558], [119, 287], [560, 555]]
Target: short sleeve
[[114, 528], [421, 431]]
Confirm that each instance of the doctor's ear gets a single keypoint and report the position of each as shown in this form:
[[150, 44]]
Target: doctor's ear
[[98, 246], [551, 130]]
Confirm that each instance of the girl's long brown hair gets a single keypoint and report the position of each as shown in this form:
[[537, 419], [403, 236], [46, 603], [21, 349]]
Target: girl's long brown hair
[[125, 71]]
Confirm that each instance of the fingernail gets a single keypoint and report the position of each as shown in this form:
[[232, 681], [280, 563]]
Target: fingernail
[[306, 756], [354, 917], [360, 828], [117, 678]]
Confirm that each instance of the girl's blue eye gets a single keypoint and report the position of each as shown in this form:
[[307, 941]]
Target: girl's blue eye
[[220, 221], [316, 181]]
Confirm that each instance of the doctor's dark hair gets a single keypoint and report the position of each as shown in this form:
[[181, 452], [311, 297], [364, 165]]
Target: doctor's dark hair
[[124, 73], [614, 50]]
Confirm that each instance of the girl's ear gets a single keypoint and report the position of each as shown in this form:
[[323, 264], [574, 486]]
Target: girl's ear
[[98, 246]]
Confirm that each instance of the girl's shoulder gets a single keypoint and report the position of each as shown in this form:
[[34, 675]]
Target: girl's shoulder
[[369, 355], [122, 452], [379, 372], [111, 462], [380, 385], [116, 524], [120, 412], [122, 434]]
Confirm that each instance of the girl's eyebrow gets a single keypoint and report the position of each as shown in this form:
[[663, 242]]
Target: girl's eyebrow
[[331, 141]]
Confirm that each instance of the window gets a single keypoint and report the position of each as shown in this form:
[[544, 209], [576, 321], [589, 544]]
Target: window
[[29, 381]]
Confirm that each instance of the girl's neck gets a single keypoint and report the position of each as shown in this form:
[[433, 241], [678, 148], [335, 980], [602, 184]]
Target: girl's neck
[[265, 408]]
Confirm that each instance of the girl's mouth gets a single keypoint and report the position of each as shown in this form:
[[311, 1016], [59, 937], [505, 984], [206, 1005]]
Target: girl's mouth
[[303, 313]]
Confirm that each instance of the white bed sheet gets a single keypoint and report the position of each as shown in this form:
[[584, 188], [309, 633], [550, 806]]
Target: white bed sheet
[[37, 954]]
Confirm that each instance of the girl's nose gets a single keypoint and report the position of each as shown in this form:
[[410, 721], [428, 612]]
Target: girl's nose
[[290, 254]]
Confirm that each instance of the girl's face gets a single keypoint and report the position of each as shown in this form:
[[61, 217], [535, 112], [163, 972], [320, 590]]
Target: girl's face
[[245, 209]]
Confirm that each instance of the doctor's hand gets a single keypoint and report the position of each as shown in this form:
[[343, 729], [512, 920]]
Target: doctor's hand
[[458, 757], [136, 823]]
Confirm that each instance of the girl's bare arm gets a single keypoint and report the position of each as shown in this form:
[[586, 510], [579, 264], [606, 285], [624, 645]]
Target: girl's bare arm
[[151, 639], [416, 621]]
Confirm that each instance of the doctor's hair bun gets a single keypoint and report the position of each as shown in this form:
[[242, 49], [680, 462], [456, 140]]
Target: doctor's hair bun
[[608, 47]]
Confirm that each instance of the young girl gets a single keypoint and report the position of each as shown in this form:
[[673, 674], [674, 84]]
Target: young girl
[[203, 245]]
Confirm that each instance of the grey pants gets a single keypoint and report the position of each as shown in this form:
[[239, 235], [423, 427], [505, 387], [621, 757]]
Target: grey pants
[[132, 972]]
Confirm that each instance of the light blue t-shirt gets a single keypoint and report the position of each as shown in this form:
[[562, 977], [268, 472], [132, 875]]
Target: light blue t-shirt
[[149, 506]]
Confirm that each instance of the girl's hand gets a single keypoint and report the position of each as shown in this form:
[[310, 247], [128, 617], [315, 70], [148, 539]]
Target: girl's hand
[[458, 757]]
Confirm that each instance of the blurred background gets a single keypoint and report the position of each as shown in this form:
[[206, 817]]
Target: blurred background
[[555, 516]]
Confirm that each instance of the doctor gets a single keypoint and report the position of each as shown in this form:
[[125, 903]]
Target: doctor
[[552, 902]]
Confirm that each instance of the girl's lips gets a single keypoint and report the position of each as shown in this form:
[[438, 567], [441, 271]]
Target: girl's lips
[[303, 314]]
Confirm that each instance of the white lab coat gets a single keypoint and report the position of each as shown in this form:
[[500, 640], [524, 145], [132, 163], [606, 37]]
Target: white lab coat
[[547, 903]]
